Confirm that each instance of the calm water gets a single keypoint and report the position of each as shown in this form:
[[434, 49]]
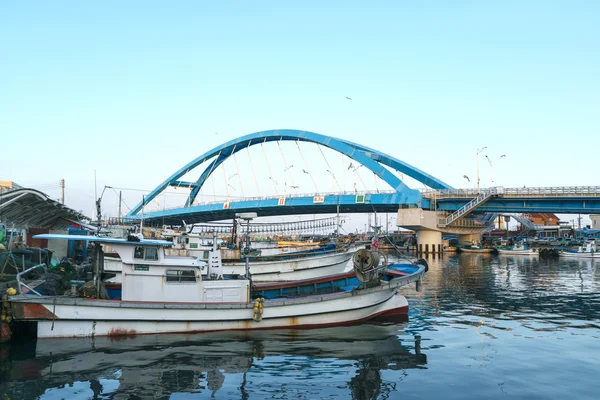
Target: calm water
[[484, 327]]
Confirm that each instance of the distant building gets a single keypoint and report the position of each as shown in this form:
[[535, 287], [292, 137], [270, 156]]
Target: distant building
[[545, 219], [6, 186], [595, 221]]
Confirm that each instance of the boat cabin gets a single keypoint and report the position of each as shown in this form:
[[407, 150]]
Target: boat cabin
[[151, 275]]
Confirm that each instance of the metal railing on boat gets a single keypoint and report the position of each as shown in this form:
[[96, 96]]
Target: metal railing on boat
[[21, 284]]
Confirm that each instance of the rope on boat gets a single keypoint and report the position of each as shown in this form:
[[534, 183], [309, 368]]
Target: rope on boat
[[5, 332], [258, 309]]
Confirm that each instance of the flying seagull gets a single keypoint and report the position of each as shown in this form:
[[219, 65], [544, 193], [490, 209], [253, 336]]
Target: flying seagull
[[348, 98], [288, 167], [350, 166], [295, 187], [490, 161], [467, 178], [306, 172], [503, 155]]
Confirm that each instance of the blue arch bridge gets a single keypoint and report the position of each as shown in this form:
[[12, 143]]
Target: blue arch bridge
[[440, 208]]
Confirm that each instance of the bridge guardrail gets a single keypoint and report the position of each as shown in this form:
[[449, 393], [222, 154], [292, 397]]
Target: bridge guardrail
[[566, 191], [287, 196], [573, 191]]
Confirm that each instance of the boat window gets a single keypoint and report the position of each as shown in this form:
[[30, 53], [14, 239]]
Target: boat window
[[151, 253], [205, 254], [138, 252], [181, 276]]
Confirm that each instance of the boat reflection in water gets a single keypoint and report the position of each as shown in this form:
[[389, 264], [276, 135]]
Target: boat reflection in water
[[295, 363]]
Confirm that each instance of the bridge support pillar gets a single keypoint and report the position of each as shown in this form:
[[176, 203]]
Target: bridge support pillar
[[475, 237], [429, 242]]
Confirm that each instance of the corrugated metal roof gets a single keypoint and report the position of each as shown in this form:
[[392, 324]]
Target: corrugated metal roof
[[34, 209]]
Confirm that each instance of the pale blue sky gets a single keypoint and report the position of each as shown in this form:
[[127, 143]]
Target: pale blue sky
[[136, 89]]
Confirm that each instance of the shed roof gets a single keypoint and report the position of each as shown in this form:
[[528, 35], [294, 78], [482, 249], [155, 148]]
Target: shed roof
[[34, 209]]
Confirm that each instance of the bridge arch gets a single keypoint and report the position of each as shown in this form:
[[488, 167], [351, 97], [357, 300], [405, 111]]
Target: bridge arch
[[372, 159]]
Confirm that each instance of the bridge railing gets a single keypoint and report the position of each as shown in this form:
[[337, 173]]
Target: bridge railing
[[271, 197], [551, 191]]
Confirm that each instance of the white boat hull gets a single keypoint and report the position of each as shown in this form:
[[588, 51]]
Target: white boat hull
[[65, 317], [518, 252], [476, 250], [269, 271], [580, 255]]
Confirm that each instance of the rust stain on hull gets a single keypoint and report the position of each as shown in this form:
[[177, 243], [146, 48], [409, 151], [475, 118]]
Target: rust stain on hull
[[121, 334]]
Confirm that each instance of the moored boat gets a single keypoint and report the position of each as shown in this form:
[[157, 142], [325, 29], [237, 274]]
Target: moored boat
[[587, 251], [290, 266], [517, 249], [282, 267], [475, 248], [164, 295]]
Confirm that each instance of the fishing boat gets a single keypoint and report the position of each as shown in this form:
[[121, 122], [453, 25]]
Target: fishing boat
[[168, 294], [517, 249], [588, 250], [475, 248], [291, 266]]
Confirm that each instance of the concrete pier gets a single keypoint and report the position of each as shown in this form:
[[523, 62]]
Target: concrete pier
[[429, 237], [429, 242]]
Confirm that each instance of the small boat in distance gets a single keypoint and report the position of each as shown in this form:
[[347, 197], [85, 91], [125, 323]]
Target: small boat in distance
[[475, 248], [588, 250], [520, 249], [169, 295]]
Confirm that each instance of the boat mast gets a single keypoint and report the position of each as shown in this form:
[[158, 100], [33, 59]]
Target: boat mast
[[337, 229], [97, 249], [142, 221]]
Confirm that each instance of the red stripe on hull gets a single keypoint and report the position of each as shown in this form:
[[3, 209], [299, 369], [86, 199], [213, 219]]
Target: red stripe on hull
[[23, 311]]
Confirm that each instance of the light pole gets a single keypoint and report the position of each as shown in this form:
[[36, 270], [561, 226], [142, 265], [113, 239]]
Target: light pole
[[479, 151]]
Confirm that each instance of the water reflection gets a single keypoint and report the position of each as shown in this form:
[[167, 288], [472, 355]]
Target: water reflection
[[237, 364], [490, 326], [562, 292]]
